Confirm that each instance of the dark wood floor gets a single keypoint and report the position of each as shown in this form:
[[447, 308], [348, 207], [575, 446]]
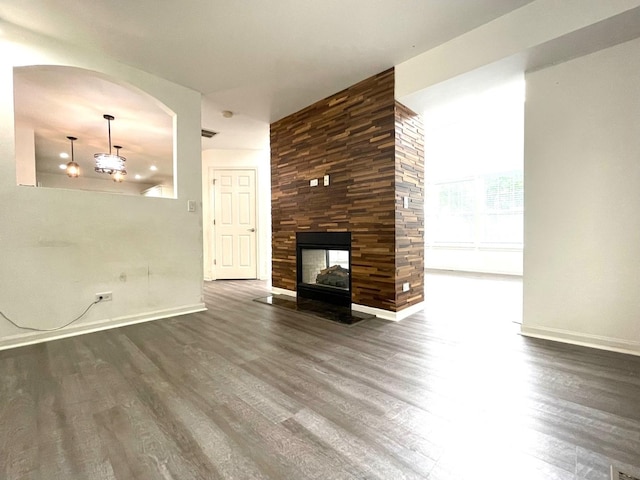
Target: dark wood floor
[[247, 390]]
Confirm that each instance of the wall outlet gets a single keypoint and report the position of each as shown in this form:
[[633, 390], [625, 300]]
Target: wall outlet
[[313, 183], [406, 287], [104, 297]]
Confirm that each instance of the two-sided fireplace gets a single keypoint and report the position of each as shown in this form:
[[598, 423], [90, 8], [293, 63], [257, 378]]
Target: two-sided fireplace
[[323, 266]]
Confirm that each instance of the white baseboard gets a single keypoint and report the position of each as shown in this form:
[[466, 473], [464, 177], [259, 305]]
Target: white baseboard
[[583, 339], [388, 314], [283, 291], [378, 312], [30, 338]]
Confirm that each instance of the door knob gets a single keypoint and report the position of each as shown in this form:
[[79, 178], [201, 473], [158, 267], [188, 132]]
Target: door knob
[[251, 230]]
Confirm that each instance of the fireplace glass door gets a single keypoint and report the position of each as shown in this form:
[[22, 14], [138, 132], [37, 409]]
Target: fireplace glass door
[[325, 268]]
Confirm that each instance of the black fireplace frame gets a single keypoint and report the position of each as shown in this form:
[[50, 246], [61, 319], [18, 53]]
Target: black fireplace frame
[[322, 241]]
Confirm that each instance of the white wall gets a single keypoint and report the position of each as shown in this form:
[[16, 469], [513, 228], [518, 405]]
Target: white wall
[[60, 247], [128, 187], [539, 33], [582, 200], [574, 291], [238, 159], [25, 148], [501, 261]]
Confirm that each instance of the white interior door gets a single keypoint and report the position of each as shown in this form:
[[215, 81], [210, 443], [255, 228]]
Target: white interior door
[[235, 224]]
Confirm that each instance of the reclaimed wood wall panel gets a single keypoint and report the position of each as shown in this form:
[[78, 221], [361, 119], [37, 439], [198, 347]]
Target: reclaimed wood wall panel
[[350, 136], [409, 221]]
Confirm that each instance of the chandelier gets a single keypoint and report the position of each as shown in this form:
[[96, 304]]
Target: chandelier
[[108, 162], [118, 177], [73, 169]]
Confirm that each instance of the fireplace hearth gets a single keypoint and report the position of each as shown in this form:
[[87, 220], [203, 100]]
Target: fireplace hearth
[[323, 266]]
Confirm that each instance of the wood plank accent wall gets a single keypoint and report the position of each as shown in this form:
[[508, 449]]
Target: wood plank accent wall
[[350, 136], [409, 221]]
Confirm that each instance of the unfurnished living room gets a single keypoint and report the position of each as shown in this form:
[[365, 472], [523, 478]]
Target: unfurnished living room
[[319, 239]]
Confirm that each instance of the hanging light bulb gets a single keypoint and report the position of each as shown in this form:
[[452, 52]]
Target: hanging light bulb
[[107, 162], [118, 176], [73, 169]]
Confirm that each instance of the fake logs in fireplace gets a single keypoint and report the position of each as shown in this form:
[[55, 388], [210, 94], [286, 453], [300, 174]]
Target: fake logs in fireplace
[[334, 276]]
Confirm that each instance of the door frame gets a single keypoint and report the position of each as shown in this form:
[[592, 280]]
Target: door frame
[[210, 229]]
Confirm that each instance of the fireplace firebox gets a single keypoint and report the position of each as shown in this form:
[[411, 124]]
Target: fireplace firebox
[[323, 266]]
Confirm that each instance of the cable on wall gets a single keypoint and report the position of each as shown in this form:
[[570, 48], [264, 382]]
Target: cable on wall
[[50, 329]]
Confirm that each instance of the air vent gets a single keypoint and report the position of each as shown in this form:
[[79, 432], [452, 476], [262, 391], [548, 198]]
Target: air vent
[[617, 474], [208, 133]]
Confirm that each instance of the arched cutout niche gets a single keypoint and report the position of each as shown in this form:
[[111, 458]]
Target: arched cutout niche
[[55, 102]]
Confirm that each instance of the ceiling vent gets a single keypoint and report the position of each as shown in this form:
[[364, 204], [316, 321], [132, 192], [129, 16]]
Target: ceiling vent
[[208, 133]]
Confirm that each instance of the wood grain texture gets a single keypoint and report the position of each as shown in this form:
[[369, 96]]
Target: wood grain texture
[[409, 221], [247, 391], [370, 147]]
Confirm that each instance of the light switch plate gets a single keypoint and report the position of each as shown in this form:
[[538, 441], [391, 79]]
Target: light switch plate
[[405, 202], [326, 180], [191, 205]]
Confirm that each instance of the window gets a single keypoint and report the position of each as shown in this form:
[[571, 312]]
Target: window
[[474, 170], [452, 212], [338, 257], [503, 208]]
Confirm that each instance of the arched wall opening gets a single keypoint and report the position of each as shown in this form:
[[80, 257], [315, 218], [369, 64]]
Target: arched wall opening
[[54, 102]]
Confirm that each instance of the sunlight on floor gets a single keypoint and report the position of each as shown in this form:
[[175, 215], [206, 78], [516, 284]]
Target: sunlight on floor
[[473, 299], [477, 317]]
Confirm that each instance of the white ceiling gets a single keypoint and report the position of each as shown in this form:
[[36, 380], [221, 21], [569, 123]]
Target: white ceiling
[[262, 60]]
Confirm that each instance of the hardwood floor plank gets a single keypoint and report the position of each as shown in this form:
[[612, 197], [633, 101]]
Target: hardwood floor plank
[[138, 449], [374, 461], [19, 397], [346, 408], [245, 390], [275, 452], [183, 419]]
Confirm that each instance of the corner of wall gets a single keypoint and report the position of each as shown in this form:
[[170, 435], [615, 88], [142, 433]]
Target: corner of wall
[[372, 149], [409, 191]]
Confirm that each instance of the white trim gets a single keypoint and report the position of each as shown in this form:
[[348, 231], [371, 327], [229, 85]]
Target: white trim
[[467, 271], [488, 247], [283, 291], [378, 312], [23, 339], [583, 339], [388, 314]]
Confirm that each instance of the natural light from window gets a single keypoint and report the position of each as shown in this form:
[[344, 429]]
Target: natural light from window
[[474, 147]]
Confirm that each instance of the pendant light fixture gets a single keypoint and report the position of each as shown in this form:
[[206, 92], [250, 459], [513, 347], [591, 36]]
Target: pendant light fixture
[[118, 176], [108, 162], [73, 169]]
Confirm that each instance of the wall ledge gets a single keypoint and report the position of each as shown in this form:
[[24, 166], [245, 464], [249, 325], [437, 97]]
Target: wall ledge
[[378, 312], [582, 339], [23, 339]]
